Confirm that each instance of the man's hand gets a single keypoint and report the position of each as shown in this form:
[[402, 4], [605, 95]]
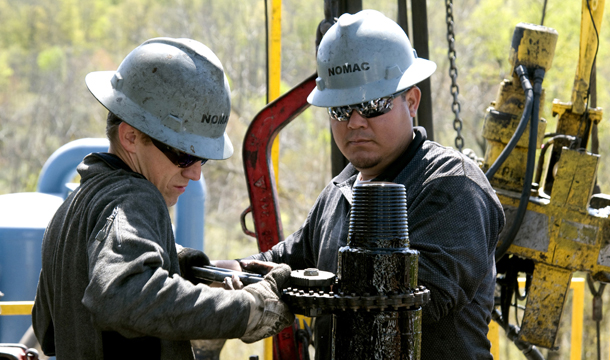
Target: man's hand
[[253, 266], [232, 283], [257, 267], [268, 314], [188, 258]]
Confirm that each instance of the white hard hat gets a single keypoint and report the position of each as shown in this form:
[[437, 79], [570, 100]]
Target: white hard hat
[[363, 57], [173, 90]]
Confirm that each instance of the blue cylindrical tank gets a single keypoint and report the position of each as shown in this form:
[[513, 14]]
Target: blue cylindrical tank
[[23, 219]]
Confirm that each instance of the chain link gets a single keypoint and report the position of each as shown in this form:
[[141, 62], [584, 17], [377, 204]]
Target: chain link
[[453, 73]]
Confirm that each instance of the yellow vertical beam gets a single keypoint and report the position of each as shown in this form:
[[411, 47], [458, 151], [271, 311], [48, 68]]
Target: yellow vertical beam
[[275, 67], [268, 348], [588, 46], [578, 301], [494, 337], [275, 71]]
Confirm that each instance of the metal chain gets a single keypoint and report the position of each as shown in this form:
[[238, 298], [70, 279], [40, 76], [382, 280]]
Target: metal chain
[[314, 303], [453, 73], [598, 313]]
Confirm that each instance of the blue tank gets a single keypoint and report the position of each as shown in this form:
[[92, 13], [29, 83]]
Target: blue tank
[[24, 217]]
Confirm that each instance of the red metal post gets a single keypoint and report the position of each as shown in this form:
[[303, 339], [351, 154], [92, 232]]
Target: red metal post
[[256, 154], [262, 188]]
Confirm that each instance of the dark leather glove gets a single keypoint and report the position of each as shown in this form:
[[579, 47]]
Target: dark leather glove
[[187, 258]]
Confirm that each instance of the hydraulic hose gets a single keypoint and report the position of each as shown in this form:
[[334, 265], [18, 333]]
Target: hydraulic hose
[[512, 332], [529, 100], [543, 150], [531, 160]]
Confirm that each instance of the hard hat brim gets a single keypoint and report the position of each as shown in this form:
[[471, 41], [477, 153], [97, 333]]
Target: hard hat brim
[[100, 86], [420, 70]]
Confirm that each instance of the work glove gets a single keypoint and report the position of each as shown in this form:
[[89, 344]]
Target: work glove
[[268, 313], [187, 258]]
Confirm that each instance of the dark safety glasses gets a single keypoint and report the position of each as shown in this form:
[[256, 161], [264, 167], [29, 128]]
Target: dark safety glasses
[[369, 109], [179, 158]]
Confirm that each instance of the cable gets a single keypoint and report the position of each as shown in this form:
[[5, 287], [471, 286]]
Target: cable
[[529, 99], [596, 47], [585, 117], [531, 162], [597, 308], [543, 13], [512, 332], [543, 150]]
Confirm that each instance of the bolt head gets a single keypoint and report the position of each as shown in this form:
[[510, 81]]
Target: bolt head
[[311, 272]]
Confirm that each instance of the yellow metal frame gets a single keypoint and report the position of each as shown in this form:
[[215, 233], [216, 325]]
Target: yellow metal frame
[[533, 46], [559, 232], [588, 46], [578, 299]]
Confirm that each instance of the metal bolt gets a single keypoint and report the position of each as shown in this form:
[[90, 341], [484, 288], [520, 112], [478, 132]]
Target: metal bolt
[[311, 272]]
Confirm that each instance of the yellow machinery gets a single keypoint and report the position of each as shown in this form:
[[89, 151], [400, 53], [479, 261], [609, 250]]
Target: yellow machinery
[[565, 227]]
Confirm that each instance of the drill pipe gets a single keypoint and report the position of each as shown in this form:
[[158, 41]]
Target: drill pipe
[[377, 261]]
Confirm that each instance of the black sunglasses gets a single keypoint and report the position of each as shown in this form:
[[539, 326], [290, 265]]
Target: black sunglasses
[[368, 110], [177, 157]]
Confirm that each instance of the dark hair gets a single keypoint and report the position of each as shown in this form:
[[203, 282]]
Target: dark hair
[[112, 129]]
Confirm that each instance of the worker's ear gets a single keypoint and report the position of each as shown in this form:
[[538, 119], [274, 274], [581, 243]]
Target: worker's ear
[[412, 97], [127, 137]]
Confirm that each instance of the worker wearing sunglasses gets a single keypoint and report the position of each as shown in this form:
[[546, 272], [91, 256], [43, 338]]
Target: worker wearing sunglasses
[[177, 157], [126, 289], [367, 79]]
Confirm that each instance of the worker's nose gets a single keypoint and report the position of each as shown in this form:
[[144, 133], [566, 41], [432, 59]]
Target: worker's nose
[[357, 121], [193, 172]]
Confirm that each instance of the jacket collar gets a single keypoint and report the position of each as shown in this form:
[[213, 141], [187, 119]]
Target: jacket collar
[[113, 161], [345, 180], [392, 171]]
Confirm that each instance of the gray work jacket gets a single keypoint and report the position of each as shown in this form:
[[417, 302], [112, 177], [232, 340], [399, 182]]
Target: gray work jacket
[[110, 283], [454, 219]]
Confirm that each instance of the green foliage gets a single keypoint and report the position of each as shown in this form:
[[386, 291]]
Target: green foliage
[[52, 59], [5, 69]]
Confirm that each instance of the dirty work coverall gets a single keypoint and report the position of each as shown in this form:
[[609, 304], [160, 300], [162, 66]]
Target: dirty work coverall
[[454, 220], [110, 283]]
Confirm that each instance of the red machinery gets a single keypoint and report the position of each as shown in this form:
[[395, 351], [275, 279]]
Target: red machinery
[[262, 188]]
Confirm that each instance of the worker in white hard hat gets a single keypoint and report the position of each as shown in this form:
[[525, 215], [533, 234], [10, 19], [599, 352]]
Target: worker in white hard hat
[[114, 284], [368, 74]]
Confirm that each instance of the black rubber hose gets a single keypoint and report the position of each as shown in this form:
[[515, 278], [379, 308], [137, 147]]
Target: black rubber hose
[[543, 150], [529, 170], [512, 332], [529, 100]]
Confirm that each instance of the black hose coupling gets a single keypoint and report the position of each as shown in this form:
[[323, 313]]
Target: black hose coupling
[[538, 77], [521, 72]]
